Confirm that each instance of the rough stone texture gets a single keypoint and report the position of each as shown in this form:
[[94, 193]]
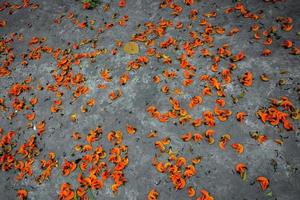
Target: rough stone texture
[[216, 171]]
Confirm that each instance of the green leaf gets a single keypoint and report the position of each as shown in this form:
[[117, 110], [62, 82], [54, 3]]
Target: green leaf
[[269, 194], [131, 48], [75, 197], [241, 95], [244, 177]]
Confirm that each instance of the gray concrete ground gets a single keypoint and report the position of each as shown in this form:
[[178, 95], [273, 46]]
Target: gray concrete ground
[[216, 172]]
